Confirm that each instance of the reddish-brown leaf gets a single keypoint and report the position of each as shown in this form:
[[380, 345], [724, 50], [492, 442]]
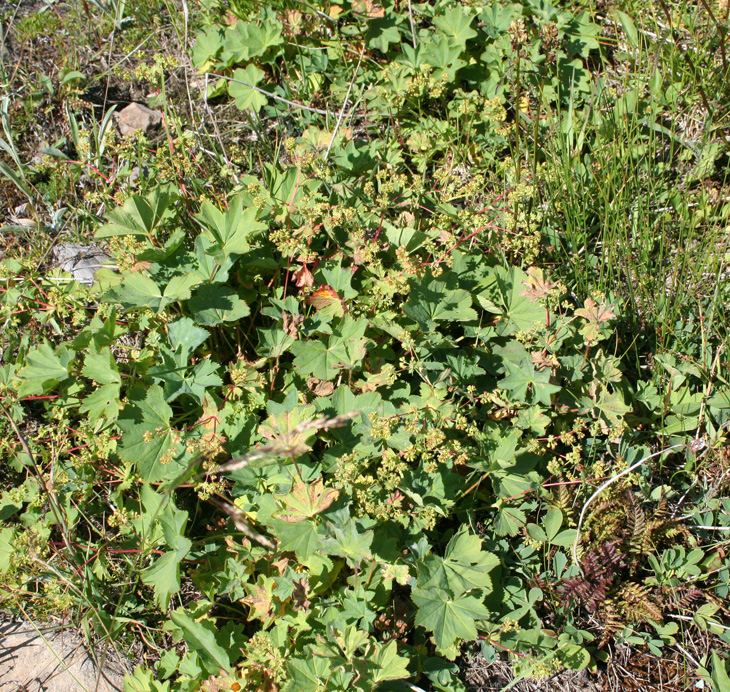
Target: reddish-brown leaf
[[303, 277], [305, 501], [323, 297]]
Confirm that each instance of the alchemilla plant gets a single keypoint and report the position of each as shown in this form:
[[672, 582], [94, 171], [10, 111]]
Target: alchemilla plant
[[333, 419]]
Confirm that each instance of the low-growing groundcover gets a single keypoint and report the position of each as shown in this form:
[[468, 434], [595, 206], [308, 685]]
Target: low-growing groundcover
[[337, 418]]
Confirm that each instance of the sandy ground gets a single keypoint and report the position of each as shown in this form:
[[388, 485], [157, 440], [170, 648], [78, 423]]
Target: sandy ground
[[39, 658]]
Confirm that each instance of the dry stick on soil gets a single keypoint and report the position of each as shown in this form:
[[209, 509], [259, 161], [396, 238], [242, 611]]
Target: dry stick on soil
[[208, 112], [239, 521], [287, 447], [48, 486], [690, 63], [344, 104], [413, 26], [276, 97], [605, 485]]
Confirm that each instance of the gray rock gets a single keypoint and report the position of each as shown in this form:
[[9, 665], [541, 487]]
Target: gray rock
[[4, 51], [39, 659], [81, 261], [138, 117]]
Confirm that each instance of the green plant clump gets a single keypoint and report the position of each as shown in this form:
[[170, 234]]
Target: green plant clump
[[336, 419]]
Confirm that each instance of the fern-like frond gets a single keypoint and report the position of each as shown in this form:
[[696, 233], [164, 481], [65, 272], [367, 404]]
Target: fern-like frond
[[634, 603], [611, 620], [561, 498], [600, 569], [688, 598], [607, 520], [639, 536]]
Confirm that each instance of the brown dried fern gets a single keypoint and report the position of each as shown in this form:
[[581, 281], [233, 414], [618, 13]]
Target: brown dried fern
[[639, 536], [633, 602], [600, 569], [562, 498]]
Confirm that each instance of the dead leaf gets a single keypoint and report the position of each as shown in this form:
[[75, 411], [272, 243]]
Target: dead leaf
[[386, 376], [299, 595], [305, 501], [293, 22], [281, 565], [536, 285], [140, 266], [25, 223], [320, 387], [595, 313], [541, 360], [291, 324], [323, 297], [368, 8], [261, 599], [303, 277]]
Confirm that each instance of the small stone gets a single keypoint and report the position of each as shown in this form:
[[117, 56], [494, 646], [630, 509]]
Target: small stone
[[138, 117], [81, 261], [20, 216], [4, 42]]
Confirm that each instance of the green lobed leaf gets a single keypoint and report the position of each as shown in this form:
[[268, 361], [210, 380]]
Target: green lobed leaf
[[164, 576], [465, 566], [382, 32], [208, 44], [456, 24], [138, 290], [242, 90], [229, 230], [432, 301], [44, 368], [139, 216], [509, 521], [185, 336], [102, 404], [263, 36], [179, 378], [200, 636], [524, 383], [147, 440], [351, 543], [302, 538], [449, 618], [164, 573], [212, 304], [319, 358], [235, 44], [307, 674], [101, 367], [502, 294], [389, 665]]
